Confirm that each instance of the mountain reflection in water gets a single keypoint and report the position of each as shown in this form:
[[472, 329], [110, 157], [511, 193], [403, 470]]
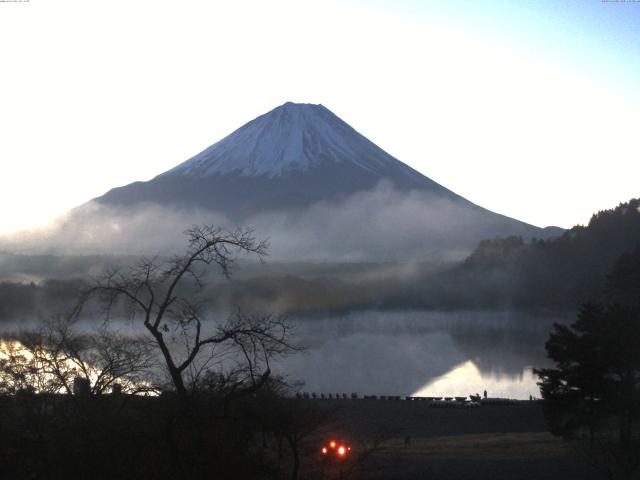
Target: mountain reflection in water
[[421, 353], [465, 379]]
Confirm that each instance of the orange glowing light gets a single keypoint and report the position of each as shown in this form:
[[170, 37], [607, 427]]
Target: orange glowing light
[[341, 451], [332, 444], [324, 450]]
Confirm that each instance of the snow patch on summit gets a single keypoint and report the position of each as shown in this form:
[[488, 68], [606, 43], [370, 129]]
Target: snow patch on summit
[[290, 138]]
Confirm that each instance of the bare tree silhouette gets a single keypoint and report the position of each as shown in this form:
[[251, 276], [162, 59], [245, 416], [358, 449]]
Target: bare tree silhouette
[[166, 297], [51, 357]]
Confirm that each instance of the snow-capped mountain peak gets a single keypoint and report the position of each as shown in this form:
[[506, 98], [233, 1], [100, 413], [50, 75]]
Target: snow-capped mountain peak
[[292, 138]]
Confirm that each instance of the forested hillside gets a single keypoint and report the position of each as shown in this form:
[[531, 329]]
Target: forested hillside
[[559, 272]]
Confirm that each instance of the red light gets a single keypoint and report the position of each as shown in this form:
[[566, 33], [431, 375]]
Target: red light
[[341, 451], [324, 450], [332, 444]]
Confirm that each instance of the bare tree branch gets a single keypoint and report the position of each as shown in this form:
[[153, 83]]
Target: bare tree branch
[[163, 294]]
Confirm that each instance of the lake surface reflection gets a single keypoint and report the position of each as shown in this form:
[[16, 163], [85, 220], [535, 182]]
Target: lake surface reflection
[[421, 353]]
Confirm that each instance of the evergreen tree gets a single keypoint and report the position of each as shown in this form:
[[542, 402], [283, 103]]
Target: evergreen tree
[[594, 388]]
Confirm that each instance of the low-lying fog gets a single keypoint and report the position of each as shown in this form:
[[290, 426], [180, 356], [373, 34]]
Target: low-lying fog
[[381, 224]]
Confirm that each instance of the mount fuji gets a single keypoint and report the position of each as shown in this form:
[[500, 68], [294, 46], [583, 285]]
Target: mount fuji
[[301, 158], [292, 156]]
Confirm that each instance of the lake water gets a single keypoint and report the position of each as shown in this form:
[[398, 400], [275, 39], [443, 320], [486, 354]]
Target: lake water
[[421, 353]]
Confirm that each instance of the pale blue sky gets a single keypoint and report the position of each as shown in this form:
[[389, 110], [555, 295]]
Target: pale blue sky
[[531, 109], [596, 37]]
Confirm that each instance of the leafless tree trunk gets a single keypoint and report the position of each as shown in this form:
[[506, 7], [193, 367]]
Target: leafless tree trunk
[[157, 293]]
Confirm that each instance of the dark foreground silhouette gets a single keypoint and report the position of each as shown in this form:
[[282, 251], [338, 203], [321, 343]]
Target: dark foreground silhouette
[[268, 436]]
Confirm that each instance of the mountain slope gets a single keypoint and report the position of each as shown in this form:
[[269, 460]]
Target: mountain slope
[[292, 156], [314, 185]]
